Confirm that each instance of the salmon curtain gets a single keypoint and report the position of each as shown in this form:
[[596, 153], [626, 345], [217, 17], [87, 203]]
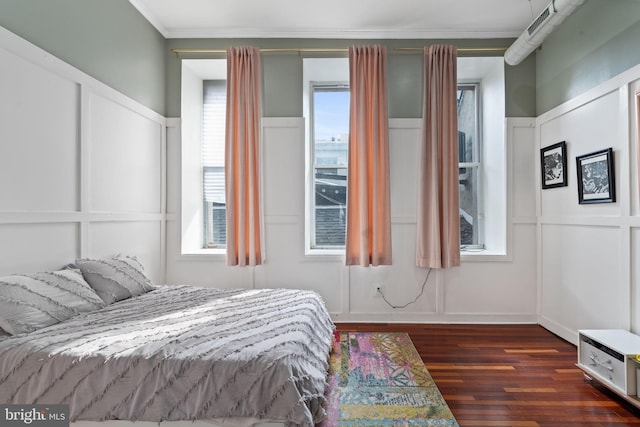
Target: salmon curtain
[[242, 157], [368, 239], [438, 216]]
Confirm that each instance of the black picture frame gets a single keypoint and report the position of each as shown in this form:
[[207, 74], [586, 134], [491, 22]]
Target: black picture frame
[[596, 177], [553, 165]]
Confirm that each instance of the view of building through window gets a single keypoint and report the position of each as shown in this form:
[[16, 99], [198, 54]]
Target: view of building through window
[[330, 151], [469, 165]]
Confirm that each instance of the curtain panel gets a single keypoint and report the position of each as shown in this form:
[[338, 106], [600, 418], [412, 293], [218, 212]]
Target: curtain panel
[[368, 239], [242, 157], [438, 213]]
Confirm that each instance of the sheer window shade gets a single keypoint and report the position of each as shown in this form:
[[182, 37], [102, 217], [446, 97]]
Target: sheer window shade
[[213, 123]]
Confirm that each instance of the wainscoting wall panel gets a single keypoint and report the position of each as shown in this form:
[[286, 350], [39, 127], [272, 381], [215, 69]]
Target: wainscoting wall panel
[[34, 247], [582, 264], [634, 297], [588, 274], [486, 288], [81, 167], [39, 113], [126, 159]]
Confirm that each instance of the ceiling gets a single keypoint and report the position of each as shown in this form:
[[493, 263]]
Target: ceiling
[[384, 19]]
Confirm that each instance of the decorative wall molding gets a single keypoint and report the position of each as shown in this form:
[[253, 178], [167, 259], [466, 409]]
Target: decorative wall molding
[[594, 280], [128, 133]]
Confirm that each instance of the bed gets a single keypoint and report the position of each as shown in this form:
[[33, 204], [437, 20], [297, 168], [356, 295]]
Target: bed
[[171, 353]]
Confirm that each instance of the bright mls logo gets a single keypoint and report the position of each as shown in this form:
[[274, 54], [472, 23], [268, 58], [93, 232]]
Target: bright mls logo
[[34, 415]]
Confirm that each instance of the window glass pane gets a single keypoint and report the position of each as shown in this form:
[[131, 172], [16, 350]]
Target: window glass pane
[[213, 129], [469, 215], [468, 173], [330, 206], [330, 153], [467, 124]]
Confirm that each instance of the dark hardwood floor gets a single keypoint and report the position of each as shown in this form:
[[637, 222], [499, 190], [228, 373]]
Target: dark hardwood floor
[[510, 375]]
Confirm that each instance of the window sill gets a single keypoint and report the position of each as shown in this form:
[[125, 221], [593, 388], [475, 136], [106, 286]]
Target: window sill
[[204, 254], [333, 255], [483, 255], [324, 255]]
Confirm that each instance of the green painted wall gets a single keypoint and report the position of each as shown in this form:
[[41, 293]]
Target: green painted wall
[[597, 42], [282, 74], [111, 41], [107, 39], [520, 88]]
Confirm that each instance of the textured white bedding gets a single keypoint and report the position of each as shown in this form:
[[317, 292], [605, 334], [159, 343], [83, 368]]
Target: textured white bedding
[[179, 353]]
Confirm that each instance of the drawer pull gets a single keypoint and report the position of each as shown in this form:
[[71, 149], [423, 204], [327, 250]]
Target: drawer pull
[[606, 365]]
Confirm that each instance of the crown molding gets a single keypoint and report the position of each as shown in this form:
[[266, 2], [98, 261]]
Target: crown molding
[[151, 17], [254, 33]]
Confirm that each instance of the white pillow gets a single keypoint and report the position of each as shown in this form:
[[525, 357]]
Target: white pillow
[[115, 279], [30, 302]]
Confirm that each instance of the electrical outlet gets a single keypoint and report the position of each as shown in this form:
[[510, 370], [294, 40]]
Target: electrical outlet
[[377, 289]]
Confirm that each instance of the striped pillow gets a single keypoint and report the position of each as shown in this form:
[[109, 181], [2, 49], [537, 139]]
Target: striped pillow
[[30, 302], [115, 279]]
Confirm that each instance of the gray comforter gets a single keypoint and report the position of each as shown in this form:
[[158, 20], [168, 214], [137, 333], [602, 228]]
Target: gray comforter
[[179, 353]]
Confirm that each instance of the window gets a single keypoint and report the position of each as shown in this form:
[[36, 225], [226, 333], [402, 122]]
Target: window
[[213, 142], [330, 141], [203, 114], [483, 159], [481, 145], [326, 110], [469, 173]]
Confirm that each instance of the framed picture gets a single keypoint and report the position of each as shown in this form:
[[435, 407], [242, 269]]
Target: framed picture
[[553, 165], [596, 177]]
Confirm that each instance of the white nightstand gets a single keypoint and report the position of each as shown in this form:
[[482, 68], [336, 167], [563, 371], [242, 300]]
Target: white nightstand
[[609, 357]]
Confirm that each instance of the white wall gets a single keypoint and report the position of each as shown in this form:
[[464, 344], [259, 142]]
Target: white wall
[[588, 271], [494, 160], [81, 167], [483, 289]]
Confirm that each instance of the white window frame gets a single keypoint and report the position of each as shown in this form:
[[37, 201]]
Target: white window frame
[[339, 86], [489, 73], [321, 70], [208, 210], [194, 73], [478, 165]]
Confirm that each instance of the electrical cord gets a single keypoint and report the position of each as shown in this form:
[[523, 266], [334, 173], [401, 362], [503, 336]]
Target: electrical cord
[[426, 279]]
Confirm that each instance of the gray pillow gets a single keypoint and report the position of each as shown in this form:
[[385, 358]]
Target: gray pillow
[[115, 279], [30, 302]]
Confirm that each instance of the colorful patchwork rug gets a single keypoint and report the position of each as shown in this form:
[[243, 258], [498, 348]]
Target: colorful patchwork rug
[[379, 379]]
